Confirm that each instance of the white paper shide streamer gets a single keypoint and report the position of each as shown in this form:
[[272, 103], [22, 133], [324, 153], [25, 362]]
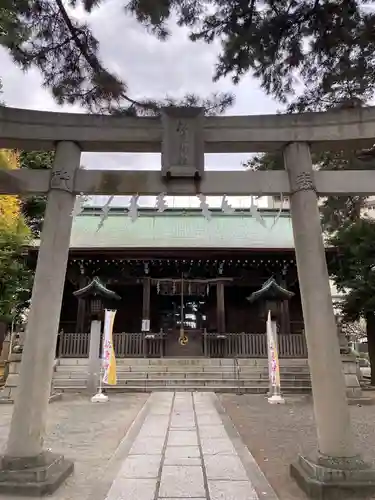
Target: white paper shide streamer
[[105, 212], [226, 207], [161, 204], [79, 204], [133, 207], [280, 211], [207, 214], [255, 213]]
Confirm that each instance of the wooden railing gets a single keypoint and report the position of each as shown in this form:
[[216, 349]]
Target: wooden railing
[[73, 345], [230, 345], [129, 345], [292, 346], [252, 345]]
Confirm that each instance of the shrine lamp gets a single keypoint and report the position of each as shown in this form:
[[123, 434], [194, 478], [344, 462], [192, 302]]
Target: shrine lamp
[[99, 298], [271, 294]]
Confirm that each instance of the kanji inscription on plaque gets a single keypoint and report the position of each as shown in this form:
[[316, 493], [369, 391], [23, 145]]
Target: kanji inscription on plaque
[[61, 179], [182, 144]]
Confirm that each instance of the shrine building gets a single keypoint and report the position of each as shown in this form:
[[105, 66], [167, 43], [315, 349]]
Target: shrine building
[[177, 271]]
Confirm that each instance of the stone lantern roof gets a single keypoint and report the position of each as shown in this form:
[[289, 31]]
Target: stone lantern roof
[[271, 291], [94, 289]]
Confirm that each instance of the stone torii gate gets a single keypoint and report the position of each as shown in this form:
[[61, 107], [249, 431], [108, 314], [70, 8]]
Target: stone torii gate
[[183, 135]]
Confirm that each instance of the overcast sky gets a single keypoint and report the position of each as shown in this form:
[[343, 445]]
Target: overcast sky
[[151, 69]]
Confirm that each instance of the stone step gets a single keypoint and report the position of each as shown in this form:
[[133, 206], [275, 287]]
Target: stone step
[[170, 374], [181, 375], [209, 388], [71, 382], [262, 362], [183, 382], [187, 369]]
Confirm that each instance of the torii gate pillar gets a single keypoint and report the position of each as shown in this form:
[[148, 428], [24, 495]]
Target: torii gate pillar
[[26, 467], [337, 464]]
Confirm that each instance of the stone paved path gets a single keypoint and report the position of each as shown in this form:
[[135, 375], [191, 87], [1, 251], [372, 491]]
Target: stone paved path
[[183, 451]]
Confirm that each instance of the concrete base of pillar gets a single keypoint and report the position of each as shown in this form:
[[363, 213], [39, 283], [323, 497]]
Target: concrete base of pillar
[[334, 479], [35, 476]]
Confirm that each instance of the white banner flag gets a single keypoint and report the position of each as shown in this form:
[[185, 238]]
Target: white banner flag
[[273, 356], [109, 359]]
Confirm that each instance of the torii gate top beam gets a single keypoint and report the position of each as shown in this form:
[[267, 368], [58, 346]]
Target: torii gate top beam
[[182, 135], [337, 129]]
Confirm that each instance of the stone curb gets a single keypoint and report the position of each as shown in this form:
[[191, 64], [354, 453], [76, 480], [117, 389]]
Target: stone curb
[[255, 474], [104, 483]]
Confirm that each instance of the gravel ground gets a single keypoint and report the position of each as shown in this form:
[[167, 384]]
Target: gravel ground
[[85, 432], [276, 434]]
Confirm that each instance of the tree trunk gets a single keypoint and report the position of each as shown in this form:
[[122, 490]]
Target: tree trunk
[[370, 331]]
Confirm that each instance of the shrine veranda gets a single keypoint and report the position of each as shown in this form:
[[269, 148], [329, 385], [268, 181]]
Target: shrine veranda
[[183, 136]]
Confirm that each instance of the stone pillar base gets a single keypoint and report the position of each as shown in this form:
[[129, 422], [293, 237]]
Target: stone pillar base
[[35, 476], [353, 387], [9, 391], [334, 479]]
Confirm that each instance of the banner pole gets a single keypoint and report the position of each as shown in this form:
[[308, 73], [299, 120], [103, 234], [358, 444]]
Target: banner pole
[[275, 397], [99, 397]]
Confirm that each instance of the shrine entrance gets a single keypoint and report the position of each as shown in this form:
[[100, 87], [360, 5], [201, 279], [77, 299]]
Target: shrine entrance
[[182, 316], [188, 317]]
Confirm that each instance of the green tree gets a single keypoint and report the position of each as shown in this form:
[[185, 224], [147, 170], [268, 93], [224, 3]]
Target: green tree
[[33, 207], [41, 33], [335, 210], [353, 271], [15, 276], [300, 51]]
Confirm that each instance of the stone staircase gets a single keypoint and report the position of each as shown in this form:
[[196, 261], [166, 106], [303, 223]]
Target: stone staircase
[[200, 374]]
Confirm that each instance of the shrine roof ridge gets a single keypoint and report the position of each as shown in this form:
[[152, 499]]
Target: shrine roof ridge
[[334, 129]]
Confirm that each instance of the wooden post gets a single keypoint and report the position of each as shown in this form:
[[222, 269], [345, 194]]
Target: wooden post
[[81, 309], [284, 310], [220, 307], [146, 305]]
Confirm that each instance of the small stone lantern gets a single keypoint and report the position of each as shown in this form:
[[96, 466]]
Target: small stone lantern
[[99, 299], [271, 294]]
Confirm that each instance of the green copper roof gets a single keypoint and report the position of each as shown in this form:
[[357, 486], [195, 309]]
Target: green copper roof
[[176, 229]]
